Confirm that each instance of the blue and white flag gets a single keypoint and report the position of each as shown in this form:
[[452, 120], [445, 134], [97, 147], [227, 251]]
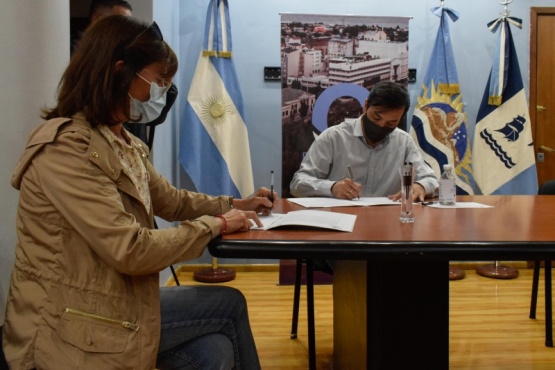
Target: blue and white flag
[[504, 160], [439, 124], [214, 143]]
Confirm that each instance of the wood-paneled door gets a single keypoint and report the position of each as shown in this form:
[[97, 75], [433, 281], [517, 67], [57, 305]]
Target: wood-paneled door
[[542, 89]]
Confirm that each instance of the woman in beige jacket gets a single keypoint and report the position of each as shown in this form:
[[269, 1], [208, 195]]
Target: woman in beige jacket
[[84, 291]]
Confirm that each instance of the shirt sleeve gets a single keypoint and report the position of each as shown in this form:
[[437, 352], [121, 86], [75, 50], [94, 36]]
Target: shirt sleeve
[[90, 202], [312, 177], [425, 176]]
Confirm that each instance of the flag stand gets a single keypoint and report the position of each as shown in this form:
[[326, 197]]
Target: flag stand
[[456, 273], [214, 274], [497, 271]]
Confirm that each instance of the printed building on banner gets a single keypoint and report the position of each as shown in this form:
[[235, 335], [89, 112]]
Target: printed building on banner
[[214, 144], [503, 147], [439, 124]]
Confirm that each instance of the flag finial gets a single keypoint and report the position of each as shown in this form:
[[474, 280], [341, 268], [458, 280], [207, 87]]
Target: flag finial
[[506, 11]]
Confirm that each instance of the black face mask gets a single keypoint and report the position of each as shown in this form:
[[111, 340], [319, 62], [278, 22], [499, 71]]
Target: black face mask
[[373, 132]]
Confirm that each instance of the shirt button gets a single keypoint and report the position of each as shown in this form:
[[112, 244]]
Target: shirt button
[[95, 154]]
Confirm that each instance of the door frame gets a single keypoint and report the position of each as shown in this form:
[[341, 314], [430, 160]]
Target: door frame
[[535, 12]]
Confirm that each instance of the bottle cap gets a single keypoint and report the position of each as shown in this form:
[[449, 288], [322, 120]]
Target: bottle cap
[[447, 167]]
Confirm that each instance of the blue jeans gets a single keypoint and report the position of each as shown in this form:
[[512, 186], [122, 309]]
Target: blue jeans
[[205, 327]]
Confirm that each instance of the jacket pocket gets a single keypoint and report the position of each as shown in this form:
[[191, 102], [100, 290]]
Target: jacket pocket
[[94, 333]]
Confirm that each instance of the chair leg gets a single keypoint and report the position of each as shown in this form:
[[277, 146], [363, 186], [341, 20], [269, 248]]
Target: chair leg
[[175, 278], [548, 304], [296, 298], [310, 314], [535, 280]]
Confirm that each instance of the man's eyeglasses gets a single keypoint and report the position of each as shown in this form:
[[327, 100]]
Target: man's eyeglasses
[[154, 30]]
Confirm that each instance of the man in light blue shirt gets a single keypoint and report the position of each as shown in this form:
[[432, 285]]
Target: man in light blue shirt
[[372, 147]]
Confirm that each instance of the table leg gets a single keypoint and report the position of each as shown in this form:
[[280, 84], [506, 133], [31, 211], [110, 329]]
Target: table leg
[[406, 305]]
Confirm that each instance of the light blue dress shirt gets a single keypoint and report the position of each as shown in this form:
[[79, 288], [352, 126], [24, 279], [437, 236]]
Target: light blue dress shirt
[[376, 169]]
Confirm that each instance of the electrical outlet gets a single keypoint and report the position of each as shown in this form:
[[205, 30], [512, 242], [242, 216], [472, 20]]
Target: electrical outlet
[[272, 73]]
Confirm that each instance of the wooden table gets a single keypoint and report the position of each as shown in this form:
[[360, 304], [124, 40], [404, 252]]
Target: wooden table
[[391, 291]]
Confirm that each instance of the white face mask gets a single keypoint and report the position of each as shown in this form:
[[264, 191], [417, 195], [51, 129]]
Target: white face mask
[[151, 109]]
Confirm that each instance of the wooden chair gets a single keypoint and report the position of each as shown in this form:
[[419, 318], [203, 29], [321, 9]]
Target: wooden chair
[[310, 266], [547, 188]]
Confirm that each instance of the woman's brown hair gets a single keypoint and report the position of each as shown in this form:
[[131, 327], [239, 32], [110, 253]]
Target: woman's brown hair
[[92, 84]]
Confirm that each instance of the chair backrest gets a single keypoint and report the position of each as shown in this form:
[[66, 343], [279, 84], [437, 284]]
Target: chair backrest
[[547, 188]]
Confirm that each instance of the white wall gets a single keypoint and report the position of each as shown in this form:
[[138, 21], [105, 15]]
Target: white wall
[[34, 40]]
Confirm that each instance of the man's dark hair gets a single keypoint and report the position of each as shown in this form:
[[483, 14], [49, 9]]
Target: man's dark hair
[[105, 6], [390, 95]]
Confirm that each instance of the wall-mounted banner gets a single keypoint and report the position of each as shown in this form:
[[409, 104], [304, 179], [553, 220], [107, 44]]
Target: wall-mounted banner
[[328, 65]]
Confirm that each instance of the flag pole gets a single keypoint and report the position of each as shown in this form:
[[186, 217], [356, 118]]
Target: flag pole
[[496, 270], [441, 90], [215, 135]]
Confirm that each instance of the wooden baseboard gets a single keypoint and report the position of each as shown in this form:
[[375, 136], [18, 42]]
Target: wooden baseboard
[[269, 267]]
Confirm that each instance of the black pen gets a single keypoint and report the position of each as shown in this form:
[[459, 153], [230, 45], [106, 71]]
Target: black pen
[[271, 197]]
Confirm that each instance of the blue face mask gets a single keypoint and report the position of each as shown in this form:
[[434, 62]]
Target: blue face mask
[[152, 108]]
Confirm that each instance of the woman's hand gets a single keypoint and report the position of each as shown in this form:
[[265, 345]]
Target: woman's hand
[[259, 202], [236, 220]]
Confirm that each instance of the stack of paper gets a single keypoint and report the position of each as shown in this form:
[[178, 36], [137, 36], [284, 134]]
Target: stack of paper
[[309, 218], [315, 202]]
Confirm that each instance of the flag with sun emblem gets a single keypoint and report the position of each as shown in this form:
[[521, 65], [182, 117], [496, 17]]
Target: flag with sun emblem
[[503, 144], [214, 143], [439, 123]]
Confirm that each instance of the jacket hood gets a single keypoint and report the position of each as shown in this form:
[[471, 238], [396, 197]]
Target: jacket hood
[[44, 134]]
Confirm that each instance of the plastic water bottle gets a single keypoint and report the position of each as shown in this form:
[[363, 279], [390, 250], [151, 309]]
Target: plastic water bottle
[[447, 186]]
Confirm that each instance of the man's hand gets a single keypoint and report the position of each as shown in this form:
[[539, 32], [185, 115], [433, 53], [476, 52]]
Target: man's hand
[[418, 193], [346, 189]]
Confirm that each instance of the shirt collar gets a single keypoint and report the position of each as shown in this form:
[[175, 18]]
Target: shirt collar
[[112, 137]]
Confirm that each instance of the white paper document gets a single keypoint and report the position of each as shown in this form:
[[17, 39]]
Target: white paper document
[[315, 202], [460, 205], [309, 218]]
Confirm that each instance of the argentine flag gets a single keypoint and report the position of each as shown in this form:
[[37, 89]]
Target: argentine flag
[[439, 124], [504, 160], [214, 143]]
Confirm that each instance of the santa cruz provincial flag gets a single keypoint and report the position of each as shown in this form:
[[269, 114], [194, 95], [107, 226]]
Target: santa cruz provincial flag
[[439, 122], [214, 145], [503, 147]]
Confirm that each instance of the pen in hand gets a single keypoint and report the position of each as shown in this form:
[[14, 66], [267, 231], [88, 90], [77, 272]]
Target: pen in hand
[[351, 174], [271, 197]]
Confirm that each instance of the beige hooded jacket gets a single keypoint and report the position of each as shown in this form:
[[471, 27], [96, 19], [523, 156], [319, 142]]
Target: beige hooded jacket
[[84, 291]]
